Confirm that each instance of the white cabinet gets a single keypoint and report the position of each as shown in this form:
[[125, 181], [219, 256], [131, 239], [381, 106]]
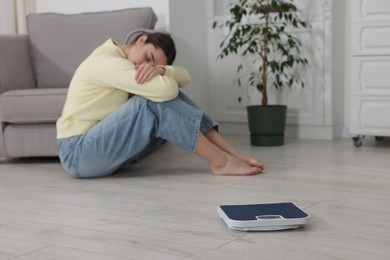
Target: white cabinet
[[369, 68]]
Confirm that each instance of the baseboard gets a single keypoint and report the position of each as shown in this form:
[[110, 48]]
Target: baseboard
[[292, 131]]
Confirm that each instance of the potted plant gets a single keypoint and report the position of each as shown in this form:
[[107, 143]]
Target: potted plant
[[263, 31]]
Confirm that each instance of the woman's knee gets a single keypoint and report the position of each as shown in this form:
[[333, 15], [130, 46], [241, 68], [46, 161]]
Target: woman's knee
[[133, 105], [87, 168]]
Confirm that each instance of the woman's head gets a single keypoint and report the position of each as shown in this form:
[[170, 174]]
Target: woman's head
[[155, 48]]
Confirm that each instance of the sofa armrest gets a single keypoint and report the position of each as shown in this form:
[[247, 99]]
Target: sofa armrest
[[16, 70]]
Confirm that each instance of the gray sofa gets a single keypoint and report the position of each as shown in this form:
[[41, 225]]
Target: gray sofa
[[35, 71]]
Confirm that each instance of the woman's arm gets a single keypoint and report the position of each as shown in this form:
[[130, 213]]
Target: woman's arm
[[146, 72], [180, 74], [113, 71]]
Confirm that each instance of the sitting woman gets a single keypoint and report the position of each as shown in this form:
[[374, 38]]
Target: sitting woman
[[124, 101]]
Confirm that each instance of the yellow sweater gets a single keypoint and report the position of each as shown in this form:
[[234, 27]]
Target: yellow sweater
[[104, 81]]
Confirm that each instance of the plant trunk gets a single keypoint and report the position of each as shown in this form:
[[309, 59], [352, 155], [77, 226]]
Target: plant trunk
[[264, 54], [264, 100]]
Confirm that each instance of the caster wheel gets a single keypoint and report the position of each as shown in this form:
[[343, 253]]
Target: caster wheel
[[379, 138], [358, 141]]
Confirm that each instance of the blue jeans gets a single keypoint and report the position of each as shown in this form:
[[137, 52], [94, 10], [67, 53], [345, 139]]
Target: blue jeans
[[137, 127]]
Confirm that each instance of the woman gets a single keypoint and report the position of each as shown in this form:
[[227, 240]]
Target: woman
[[124, 101]]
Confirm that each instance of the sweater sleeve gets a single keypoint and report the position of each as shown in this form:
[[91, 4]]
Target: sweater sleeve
[[113, 71], [180, 74]]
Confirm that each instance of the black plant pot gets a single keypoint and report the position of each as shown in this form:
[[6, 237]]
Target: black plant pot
[[267, 124]]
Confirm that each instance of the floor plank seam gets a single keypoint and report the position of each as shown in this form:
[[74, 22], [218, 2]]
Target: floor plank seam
[[35, 250], [227, 243]]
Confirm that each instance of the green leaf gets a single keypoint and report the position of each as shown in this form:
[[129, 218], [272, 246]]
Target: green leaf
[[290, 82], [265, 40], [239, 68], [259, 87]]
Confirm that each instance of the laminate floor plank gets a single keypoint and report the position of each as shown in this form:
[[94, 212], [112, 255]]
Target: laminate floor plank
[[164, 207]]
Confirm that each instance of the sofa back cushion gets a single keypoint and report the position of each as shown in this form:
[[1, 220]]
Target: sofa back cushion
[[60, 42], [15, 63]]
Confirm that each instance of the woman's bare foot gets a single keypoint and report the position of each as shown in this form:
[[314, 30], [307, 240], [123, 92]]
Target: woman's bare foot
[[250, 161], [235, 167], [213, 136], [223, 160], [255, 163]]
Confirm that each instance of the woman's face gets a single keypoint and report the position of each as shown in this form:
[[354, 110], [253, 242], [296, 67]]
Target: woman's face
[[140, 53]]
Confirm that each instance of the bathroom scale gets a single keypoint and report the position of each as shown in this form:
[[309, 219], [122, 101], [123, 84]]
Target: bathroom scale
[[263, 217]]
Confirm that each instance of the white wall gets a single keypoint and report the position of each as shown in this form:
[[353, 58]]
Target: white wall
[[188, 25], [160, 7], [338, 63], [315, 111], [7, 19]]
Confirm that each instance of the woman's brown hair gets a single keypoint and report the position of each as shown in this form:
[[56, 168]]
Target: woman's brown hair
[[163, 41]]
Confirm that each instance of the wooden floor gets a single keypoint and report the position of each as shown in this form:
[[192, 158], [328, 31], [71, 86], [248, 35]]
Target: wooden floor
[[164, 207]]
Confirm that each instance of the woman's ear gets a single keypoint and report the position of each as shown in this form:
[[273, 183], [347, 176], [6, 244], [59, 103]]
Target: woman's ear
[[142, 39]]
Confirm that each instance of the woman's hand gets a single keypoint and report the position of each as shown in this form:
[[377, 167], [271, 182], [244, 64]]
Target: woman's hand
[[146, 72]]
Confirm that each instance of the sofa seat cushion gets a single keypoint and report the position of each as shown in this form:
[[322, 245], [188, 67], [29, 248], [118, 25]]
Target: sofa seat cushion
[[32, 105], [30, 140], [60, 42]]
